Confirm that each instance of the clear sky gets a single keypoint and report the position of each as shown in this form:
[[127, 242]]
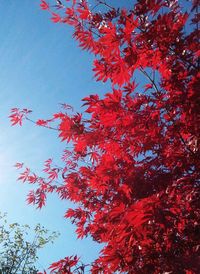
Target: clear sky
[[40, 67]]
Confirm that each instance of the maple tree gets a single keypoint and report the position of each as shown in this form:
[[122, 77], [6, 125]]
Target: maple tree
[[133, 159]]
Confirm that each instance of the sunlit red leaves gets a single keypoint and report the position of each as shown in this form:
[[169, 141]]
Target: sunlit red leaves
[[130, 25], [91, 103], [83, 13], [133, 162], [24, 175], [51, 171], [68, 126], [32, 179], [85, 38], [94, 156], [44, 5], [31, 199], [41, 122], [65, 265], [17, 116], [117, 71], [65, 129], [37, 197], [47, 165], [56, 18]]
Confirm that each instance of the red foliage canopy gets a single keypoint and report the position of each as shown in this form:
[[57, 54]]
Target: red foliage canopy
[[133, 169]]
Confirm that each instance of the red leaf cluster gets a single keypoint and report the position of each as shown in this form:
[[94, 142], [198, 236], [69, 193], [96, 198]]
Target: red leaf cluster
[[133, 163], [65, 265], [17, 116]]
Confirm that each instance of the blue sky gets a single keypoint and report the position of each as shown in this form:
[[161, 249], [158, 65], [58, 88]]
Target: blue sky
[[40, 67]]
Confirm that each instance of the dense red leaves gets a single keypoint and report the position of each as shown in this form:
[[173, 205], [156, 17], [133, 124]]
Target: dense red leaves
[[133, 162]]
